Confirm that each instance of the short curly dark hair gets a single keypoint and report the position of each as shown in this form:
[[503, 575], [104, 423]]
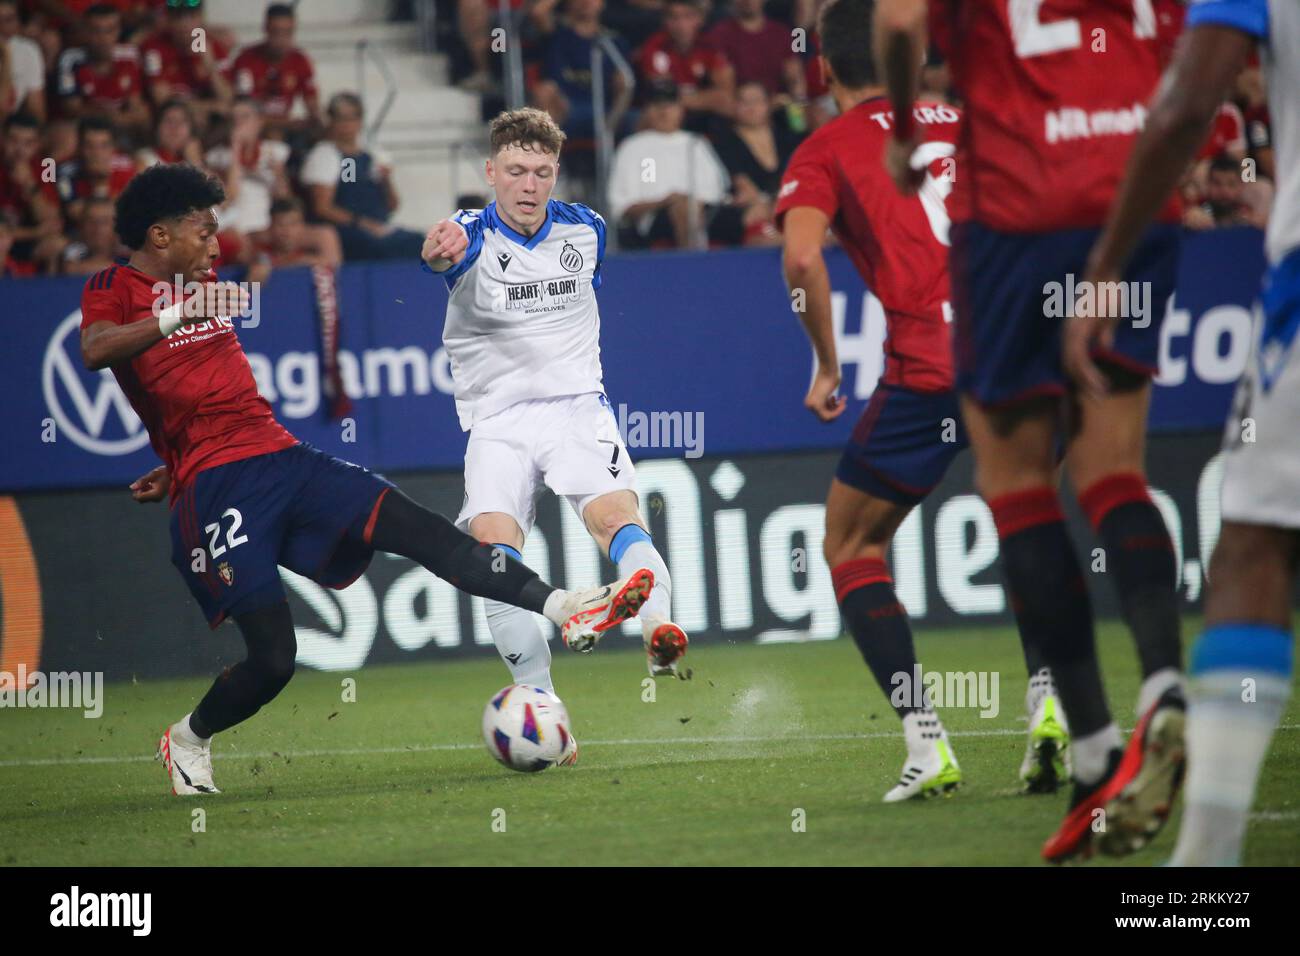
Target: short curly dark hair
[[165, 191]]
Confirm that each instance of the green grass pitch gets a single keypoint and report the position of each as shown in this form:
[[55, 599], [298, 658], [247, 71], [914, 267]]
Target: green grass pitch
[[714, 771]]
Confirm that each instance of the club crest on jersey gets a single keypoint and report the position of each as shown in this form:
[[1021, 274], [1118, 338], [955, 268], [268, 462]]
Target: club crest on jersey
[[227, 573], [570, 258]]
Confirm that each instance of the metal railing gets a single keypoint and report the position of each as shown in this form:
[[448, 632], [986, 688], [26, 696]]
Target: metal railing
[[605, 47], [365, 51], [514, 69]]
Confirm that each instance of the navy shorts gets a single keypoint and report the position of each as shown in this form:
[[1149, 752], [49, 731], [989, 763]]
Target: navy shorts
[[1006, 346], [299, 508], [903, 443]]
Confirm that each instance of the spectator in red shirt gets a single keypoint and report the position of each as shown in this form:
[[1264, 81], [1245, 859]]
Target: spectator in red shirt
[[103, 78], [174, 68], [761, 50], [98, 171], [704, 78], [29, 202], [277, 73]]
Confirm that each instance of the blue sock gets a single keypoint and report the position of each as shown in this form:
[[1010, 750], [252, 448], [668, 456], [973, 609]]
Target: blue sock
[[624, 538]]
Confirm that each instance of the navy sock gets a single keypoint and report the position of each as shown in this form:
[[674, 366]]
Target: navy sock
[[1140, 562], [1050, 600], [879, 625]]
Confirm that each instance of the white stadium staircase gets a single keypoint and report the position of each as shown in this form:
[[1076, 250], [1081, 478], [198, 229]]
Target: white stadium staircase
[[432, 130]]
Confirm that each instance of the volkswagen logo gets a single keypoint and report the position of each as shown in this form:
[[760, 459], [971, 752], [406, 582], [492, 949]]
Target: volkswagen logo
[[82, 403]]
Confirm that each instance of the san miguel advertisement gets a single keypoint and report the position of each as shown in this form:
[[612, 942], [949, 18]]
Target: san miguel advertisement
[[742, 536]]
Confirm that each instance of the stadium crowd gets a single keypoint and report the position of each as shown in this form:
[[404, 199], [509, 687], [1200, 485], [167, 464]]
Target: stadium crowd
[[93, 92]]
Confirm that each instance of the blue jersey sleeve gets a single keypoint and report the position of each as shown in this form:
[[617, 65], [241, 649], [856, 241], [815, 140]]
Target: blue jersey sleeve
[[1248, 16], [471, 221]]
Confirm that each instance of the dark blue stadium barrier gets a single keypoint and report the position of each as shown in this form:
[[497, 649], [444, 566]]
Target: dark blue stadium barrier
[[709, 335]]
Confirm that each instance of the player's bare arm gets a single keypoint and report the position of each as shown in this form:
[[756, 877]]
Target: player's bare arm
[[104, 344], [1201, 76], [810, 292], [445, 245], [900, 50]]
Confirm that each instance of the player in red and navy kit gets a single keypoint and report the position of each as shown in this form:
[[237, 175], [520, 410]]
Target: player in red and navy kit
[[911, 429], [1055, 94], [246, 496]]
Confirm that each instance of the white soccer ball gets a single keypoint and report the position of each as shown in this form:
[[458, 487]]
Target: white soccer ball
[[526, 728]]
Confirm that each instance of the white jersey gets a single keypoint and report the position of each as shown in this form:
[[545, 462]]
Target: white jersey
[[522, 321]]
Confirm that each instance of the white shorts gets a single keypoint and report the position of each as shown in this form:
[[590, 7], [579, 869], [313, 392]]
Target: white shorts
[[569, 444], [1261, 461]]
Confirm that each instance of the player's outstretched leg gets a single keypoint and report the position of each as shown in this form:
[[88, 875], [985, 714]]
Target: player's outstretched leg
[[1240, 679], [859, 528], [400, 526], [240, 691], [614, 520]]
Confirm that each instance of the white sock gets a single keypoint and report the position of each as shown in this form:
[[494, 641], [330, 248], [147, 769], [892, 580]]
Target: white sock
[[1227, 740], [921, 728], [1155, 685], [1092, 753], [1041, 685], [185, 733], [642, 554], [520, 643], [556, 610]]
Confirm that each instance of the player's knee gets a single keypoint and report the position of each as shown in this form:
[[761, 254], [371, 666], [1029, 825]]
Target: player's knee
[[281, 666], [609, 522], [275, 660]]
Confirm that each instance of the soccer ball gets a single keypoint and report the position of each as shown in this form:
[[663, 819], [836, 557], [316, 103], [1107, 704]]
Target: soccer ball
[[526, 728]]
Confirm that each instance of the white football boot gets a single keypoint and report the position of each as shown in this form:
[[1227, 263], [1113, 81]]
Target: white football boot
[[596, 611], [188, 760], [1047, 762], [931, 766], [665, 646]]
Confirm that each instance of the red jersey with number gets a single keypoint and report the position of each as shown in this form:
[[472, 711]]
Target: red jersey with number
[[1055, 93], [194, 390], [899, 244], [276, 83]]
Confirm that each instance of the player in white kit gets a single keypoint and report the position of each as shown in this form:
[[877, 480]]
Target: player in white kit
[[1241, 667], [523, 336]]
